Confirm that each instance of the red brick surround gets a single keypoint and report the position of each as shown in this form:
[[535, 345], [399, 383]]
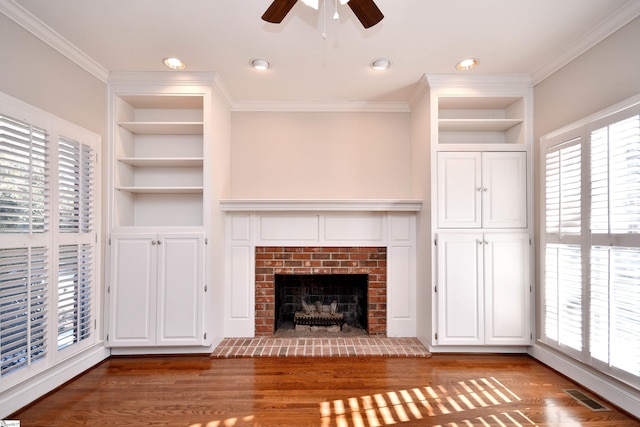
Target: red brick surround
[[272, 260]]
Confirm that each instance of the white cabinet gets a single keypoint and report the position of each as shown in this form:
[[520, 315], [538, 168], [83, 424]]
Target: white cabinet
[[483, 289], [160, 209], [481, 192], [482, 189], [157, 290]]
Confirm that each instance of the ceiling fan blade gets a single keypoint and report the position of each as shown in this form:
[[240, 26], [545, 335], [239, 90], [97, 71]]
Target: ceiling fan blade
[[366, 11], [278, 10]]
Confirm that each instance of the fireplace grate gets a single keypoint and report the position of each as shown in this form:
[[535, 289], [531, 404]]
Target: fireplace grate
[[318, 319]]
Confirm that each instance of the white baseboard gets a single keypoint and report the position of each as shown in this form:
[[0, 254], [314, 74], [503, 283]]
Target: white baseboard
[[26, 392], [621, 395], [159, 351]]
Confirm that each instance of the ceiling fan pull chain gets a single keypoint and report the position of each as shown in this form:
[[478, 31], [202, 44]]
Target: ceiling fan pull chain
[[324, 19], [335, 15]]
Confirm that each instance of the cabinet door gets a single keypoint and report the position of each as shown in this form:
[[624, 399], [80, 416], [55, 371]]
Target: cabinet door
[[132, 291], [504, 190], [459, 190], [459, 292], [180, 289], [507, 288]]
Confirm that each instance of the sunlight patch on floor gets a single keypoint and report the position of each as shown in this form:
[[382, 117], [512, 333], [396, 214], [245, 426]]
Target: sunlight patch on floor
[[396, 407]]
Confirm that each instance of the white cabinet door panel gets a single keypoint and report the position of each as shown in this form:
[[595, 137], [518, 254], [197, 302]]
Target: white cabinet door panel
[[460, 305], [459, 190], [133, 290], [507, 288], [180, 287], [504, 188]]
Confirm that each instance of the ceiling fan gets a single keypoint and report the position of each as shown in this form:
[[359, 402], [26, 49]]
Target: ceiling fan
[[365, 10]]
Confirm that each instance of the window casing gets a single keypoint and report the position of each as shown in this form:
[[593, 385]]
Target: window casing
[[590, 299], [49, 274]]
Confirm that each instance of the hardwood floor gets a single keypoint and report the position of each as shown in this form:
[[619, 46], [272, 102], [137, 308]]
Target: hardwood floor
[[196, 391]]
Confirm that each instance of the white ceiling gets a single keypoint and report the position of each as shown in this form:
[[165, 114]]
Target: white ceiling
[[532, 37]]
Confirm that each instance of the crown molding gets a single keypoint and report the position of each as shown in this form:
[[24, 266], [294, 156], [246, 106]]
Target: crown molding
[[604, 29], [477, 80], [187, 78], [39, 29], [379, 107], [419, 91]]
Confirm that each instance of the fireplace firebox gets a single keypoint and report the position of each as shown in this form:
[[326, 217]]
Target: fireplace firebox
[[322, 300], [368, 262]]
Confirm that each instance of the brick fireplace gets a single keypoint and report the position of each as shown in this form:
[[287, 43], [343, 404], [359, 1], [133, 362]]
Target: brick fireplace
[[265, 238], [301, 260]]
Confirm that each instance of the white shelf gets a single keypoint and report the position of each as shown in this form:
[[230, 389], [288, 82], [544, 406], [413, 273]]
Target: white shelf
[[162, 190], [480, 125], [163, 128], [163, 161]]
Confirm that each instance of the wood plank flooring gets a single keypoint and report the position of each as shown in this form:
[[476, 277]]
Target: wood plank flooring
[[196, 391]]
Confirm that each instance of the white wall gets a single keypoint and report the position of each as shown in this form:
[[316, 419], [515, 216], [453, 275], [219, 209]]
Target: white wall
[[604, 75], [421, 175], [320, 155], [38, 75]]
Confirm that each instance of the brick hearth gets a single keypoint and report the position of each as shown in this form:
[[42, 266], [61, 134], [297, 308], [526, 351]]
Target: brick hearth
[[271, 260]]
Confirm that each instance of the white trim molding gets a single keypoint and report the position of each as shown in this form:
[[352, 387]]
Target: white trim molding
[[356, 205], [26, 20], [615, 392]]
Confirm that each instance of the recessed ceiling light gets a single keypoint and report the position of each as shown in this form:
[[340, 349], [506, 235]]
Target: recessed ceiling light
[[380, 64], [466, 64], [260, 64], [174, 63]]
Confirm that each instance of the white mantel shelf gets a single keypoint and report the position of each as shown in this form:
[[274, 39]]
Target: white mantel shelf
[[306, 205]]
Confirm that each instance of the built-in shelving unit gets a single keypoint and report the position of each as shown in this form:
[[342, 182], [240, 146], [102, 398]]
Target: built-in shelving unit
[[160, 210], [158, 153], [481, 194], [480, 120]]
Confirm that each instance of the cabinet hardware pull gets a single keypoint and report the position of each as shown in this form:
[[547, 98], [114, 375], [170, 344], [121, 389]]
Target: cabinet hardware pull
[[485, 189], [479, 189], [153, 242]]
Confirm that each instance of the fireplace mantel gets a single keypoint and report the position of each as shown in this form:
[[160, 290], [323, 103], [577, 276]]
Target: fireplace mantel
[[320, 205], [250, 224]]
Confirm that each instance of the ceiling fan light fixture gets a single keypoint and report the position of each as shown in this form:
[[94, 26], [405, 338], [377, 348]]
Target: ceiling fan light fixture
[[466, 64], [312, 3], [174, 63], [260, 64], [380, 64]]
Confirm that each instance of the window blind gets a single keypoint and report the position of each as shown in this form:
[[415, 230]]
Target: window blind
[[24, 309], [563, 173], [591, 280], [75, 186], [24, 179], [48, 256], [74, 294]]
